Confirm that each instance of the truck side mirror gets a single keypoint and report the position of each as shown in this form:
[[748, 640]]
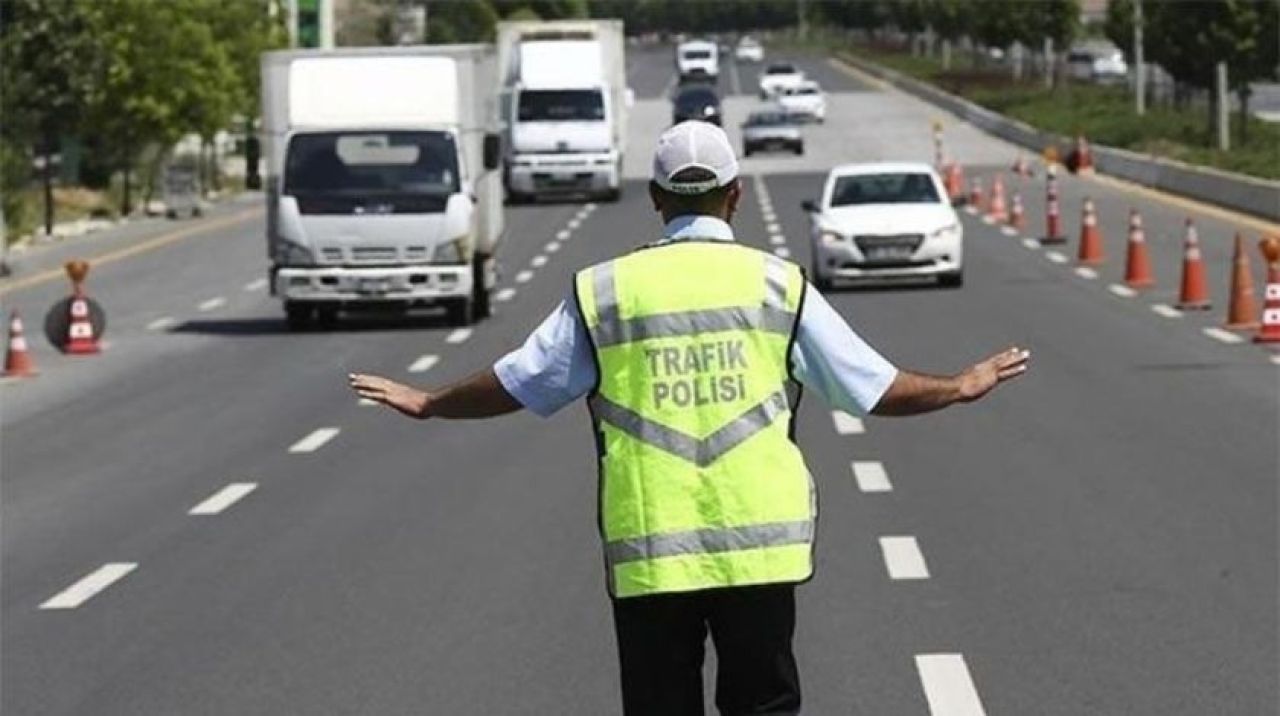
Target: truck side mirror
[[492, 151], [809, 205]]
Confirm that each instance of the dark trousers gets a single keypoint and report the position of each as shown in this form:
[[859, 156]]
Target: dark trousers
[[660, 647]]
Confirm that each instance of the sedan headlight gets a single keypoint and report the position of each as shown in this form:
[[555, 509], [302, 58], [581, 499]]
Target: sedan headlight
[[830, 238], [945, 232]]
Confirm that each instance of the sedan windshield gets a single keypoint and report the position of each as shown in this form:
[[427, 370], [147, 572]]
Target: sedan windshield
[[857, 189], [780, 70], [561, 106], [768, 119]]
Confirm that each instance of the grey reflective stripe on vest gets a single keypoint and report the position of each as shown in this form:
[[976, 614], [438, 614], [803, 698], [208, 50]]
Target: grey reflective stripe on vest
[[606, 293], [709, 541], [690, 323], [700, 452], [775, 282]]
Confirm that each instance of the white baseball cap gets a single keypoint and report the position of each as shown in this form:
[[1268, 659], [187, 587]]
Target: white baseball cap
[[694, 145]]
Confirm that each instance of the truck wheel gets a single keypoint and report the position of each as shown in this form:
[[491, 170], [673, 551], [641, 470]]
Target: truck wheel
[[480, 292], [297, 315], [461, 312], [327, 317]]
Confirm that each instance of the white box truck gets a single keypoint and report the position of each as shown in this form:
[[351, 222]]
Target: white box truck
[[565, 100], [383, 189]]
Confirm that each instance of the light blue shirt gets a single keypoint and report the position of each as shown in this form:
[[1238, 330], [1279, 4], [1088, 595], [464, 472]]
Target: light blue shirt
[[555, 366]]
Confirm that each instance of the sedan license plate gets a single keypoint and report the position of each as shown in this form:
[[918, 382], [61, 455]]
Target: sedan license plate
[[888, 253], [373, 286]]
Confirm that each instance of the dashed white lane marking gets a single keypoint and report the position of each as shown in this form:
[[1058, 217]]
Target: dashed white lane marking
[[1275, 358], [365, 402], [1055, 257], [1122, 291], [1031, 244], [947, 685], [563, 235], [768, 215], [256, 285], [524, 276], [589, 207], [847, 424], [224, 498], [902, 558], [1086, 272], [772, 227], [552, 247], [782, 252], [161, 323], [777, 239], [988, 220], [215, 302], [458, 335], [424, 363], [1008, 231], [539, 261], [871, 477], [1166, 311], [90, 585], [505, 294], [315, 440], [1219, 334], [574, 223], [971, 210]]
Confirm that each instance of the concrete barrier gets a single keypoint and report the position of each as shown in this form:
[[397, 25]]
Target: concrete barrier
[[1251, 195]]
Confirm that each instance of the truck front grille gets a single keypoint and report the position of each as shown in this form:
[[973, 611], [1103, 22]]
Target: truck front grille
[[373, 254]]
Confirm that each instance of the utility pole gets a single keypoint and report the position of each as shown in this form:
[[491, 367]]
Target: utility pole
[[801, 29], [1224, 108], [1140, 65]]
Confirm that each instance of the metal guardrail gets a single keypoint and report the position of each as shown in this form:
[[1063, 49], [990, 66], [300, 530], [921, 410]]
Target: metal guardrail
[[1251, 195]]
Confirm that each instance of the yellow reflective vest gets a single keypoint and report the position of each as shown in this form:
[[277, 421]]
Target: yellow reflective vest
[[701, 485]]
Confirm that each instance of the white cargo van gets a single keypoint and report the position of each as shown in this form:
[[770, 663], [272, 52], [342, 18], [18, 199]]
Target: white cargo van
[[564, 96], [698, 60], [381, 183]]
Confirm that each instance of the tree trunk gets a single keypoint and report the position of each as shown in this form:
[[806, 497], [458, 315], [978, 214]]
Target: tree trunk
[[46, 178], [1212, 125], [1244, 93], [215, 176], [126, 197]]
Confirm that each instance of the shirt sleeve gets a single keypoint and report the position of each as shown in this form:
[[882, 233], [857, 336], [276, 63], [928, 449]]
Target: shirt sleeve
[[555, 365], [830, 358]]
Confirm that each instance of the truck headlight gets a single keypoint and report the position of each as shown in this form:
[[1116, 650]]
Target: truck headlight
[[449, 252], [830, 238], [291, 254]]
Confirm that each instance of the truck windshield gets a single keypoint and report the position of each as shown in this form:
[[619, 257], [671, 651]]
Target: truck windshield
[[401, 171], [697, 54], [561, 106], [883, 189]]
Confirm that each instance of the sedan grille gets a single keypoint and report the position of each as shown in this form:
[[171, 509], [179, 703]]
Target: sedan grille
[[888, 248]]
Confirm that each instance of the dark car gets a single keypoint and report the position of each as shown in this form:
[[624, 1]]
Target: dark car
[[696, 102]]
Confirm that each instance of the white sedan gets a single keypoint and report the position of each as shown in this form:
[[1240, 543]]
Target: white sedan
[[885, 220], [804, 100], [777, 77], [749, 50]]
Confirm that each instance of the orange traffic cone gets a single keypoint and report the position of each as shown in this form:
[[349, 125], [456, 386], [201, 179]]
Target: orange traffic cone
[[1270, 330], [1242, 314], [1053, 212], [1016, 218], [1083, 156], [1195, 290], [1137, 263], [80, 337], [1090, 236], [17, 360], [997, 212], [1020, 166], [975, 193], [955, 183]]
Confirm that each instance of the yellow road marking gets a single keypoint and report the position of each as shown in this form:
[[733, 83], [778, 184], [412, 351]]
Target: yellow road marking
[[1218, 212], [143, 247]]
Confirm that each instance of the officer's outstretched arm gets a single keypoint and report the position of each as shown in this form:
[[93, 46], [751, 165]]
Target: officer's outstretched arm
[[479, 396], [915, 393]]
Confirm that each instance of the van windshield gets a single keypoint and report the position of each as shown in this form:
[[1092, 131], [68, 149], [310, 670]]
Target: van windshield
[[347, 171], [561, 106]]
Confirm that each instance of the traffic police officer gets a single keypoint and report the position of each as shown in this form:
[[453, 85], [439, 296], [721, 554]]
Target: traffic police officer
[[691, 352]]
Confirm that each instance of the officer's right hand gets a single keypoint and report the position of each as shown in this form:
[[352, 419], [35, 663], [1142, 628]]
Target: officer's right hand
[[406, 399]]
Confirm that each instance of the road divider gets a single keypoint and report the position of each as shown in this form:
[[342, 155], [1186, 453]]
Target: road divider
[[315, 440], [90, 585], [224, 498]]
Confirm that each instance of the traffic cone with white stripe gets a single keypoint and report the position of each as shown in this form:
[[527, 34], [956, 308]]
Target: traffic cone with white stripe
[[1053, 212], [1021, 167], [1090, 253], [1017, 219], [975, 193], [80, 337], [955, 183], [1083, 156], [1137, 264], [1242, 314], [17, 359], [997, 212], [1195, 289], [1270, 330]]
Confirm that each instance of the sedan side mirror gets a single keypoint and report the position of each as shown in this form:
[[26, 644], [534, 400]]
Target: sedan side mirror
[[809, 205]]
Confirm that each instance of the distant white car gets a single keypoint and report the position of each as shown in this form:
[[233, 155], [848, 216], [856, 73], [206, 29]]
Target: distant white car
[[778, 76], [697, 59], [804, 100], [749, 50], [885, 220]]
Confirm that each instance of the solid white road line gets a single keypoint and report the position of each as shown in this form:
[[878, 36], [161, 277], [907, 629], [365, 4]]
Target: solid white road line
[[1055, 257], [458, 335], [215, 302], [1086, 272], [902, 558], [1121, 290], [161, 323], [871, 477], [947, 685], [424, 363], [224, 498], [539, 261], [84, 590], [505, 294], [847, 424], [552, 247], [1166, 311], [1031, 244], [524, 276], [782, 252], [1008, 231], [315, 440], [256, 285], [563, 235], [1219, 334]]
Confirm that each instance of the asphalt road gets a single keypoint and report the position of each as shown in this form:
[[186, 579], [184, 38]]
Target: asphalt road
[[1099, 538]]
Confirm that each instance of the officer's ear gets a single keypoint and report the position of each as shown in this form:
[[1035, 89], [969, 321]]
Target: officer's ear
[[732, 197], [656, 195]]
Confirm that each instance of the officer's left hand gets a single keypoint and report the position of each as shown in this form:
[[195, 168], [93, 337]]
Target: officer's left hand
[[404, 398], [981, 378]]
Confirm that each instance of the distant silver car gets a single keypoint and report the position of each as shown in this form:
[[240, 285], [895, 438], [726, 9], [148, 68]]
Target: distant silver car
[[771, 129]]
